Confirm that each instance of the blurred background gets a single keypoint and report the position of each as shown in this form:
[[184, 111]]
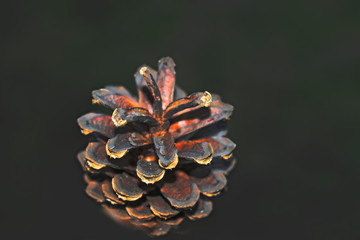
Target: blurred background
[[290, 68]]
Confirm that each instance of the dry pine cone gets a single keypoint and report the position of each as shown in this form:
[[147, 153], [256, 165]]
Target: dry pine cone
[[160, 156]]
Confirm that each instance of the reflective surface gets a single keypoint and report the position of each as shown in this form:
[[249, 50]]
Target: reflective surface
[[290, 69]]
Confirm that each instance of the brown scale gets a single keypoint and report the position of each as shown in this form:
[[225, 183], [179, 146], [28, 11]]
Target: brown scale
[[140, 210], [180, 191]]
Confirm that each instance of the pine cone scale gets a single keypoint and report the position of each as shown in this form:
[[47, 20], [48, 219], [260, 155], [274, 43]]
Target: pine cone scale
[[127, 187], [139, 210], [148, 169], [166, 150], [209, 182], [166, 80], [109, 193], [98, 123], [113, 100], [160, 207], [179, 190], [202, 209]]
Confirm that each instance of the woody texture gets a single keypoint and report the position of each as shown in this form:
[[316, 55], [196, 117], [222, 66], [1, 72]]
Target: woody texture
[[159, 157]]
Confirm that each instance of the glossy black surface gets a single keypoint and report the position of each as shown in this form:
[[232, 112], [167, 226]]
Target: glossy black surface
[[291, 69]]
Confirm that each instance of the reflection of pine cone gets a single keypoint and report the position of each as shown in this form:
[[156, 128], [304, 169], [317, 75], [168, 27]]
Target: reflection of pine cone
[[126, 163]]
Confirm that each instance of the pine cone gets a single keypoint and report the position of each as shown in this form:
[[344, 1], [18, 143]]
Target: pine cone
[[160, 156]]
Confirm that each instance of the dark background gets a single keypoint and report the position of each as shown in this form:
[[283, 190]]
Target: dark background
[[290, 68]]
